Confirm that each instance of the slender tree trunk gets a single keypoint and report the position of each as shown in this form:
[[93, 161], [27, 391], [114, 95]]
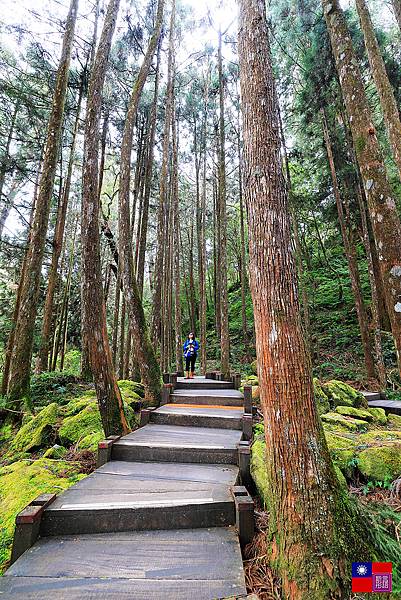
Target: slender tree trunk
[[148, 179], [309, 533], [68, 293], [57, 245], [114, 342], [202, 240], [94, 310], [177, 274], [351, 259], [4, 167], [216, 255], [144, 352], [162, 212], [397, 11], [225, 335], [19, 381], [243, 275], [8, 205], [383, 85], [121, 359], [382, 207]]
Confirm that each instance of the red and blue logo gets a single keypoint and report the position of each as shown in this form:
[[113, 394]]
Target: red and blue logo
[[372, 576]]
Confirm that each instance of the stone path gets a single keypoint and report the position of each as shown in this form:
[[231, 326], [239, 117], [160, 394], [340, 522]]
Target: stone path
[[159, 520]]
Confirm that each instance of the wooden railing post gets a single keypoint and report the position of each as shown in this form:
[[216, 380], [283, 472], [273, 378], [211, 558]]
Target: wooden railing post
[[248, 399], [244, 462], [173, 379], [244, 513], [27, 524], [247, 422], [104, 450], [145, 415], [166, 391]]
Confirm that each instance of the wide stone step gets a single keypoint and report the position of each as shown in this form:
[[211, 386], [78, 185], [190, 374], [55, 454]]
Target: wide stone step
[[124, 496], [170, 443], [201, 383], [372, 396], [211, 397], [193, 415], [203, 564]]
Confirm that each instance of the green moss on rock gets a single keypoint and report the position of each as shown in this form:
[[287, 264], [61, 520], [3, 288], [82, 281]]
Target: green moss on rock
[[379, 415], [36, 432], [91, 441], [394, 421], [73, 429], [376, 437], [342, 451], [20, 483], [381, 463], [133, 388], [75, 405], [349, 423], [358, 413], [321, 398], [258, 468], [342, 394], [254, 367], [56, 452]]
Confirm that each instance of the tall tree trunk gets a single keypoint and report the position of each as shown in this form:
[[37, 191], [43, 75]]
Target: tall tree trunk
[[57, 244], [225, 335], [144, 352], [382, 207], [216, 257], [309, 513], [19, 381], [243, 275], [140, 271], [162, 213], [176, 242], [8, 204], [121, 359], [4, 168], [383, 85], [351, 259], [94, 310], [397, 11]]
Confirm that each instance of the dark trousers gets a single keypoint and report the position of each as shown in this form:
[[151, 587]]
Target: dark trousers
[[190, 361]]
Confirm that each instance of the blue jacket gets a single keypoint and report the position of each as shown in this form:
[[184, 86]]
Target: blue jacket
[[188, 351]]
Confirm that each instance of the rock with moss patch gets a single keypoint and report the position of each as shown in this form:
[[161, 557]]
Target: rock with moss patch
[[258, 468], [379, 415], [381, 463], [91, 441], [132, 388], [342, 394], [358, 413], [84, 423], [394, 421], [20, 483], [376, 437], [75, 405], [254, 367], [341, 479], [56, 452], [349, 423], [321, 398], [342, 450], [36, 433]]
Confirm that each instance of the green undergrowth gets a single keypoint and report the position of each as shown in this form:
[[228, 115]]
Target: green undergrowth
[[20, 483]]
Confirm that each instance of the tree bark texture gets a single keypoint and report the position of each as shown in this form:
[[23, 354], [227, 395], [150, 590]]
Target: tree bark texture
[[383, 85], [308, 525], [397, 11], [94, 310], [144, 351], [382, 207], [19, 381]]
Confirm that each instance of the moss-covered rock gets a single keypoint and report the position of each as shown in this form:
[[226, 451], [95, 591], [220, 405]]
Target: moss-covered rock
[[358, 413], [75, 405], [91, 441], [342, 450], [340, 477], [379, 415], [56, 452], [254, 367], [381, 463], [376, 437], [73, 429], [337, 420], [131, 389], [20, 483], [342, 394], [258, 468], [321, 399], [36, 433], [394, 421]]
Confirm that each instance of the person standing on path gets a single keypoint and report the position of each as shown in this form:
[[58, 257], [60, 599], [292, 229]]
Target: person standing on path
[[191, 347]]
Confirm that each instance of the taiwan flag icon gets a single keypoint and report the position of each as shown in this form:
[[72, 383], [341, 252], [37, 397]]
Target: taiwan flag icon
[[362, 580], [372, 577]]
